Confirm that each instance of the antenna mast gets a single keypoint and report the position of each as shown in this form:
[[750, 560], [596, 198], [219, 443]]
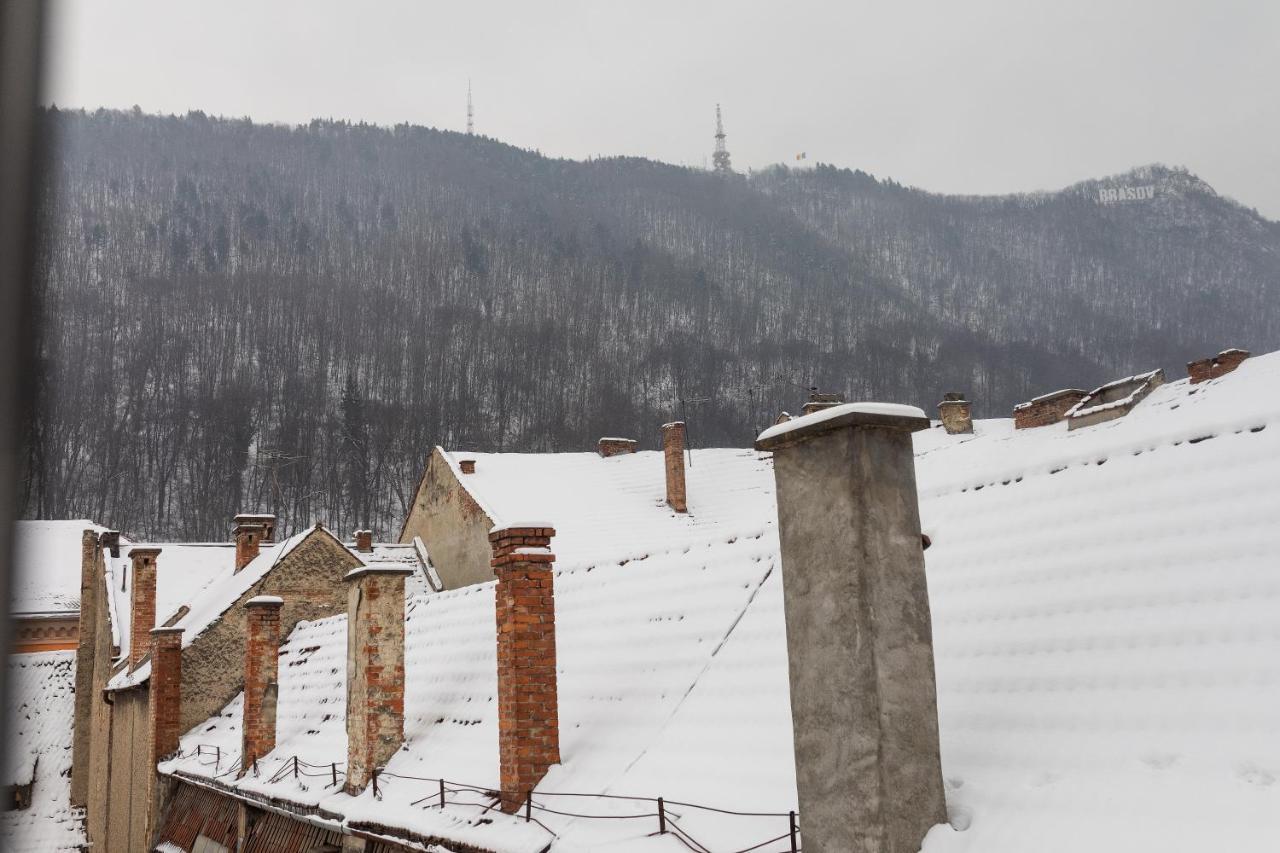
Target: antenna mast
[[471, 117], [720, 159]]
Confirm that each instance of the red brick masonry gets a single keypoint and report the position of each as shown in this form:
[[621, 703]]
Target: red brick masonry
[[1215, 366], [607, 447], [142, 603], [261, 674], [528, 714], [166, 691], [1046, 410], [673, 453]]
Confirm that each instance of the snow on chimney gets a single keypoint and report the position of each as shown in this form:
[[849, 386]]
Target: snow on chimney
[[142, 603], [165, 699], [819, 401], [524, 601], [249, 534], [375, 670], [364, 541], [859, 636], [261, 678], [1215, 366], [954, 412], [673, 455], [607, 447]]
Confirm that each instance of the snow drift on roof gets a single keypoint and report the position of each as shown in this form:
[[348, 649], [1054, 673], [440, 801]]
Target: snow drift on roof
[[1104, 607]]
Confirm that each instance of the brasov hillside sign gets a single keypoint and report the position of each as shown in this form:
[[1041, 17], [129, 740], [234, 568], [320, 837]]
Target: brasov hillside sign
[[1112, 195]]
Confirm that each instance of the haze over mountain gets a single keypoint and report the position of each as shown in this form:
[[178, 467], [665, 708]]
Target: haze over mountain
[[246, 317]]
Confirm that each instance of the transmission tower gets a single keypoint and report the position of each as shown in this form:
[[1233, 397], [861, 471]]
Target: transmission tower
[[471, 117], [720, 159]]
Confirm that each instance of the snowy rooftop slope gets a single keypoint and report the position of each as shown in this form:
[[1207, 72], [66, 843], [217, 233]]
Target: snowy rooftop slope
[[47, 566], [203, 579], [615, 508], [41, 705], [1105, 607]]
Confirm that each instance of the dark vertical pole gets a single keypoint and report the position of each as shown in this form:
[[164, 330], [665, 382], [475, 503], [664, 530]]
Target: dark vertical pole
[[662, 817], [793, 832], [375, 781], [21, 44], [442, 793], [334, 768], [295, 767], [528, 807], [217, 758]]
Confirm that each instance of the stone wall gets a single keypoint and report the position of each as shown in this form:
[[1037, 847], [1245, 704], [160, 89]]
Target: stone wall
[[310, 582], [375, 671], [453, 526]]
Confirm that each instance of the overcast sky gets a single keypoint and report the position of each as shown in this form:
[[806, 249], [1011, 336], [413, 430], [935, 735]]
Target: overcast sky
[[980, 96]]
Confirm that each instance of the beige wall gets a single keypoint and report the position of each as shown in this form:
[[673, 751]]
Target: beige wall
[[119, 783], [452, 525]]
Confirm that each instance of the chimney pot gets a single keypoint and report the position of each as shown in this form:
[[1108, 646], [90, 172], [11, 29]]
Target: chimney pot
[[954, 413], [673, 435], [142, 603], [524, 603]]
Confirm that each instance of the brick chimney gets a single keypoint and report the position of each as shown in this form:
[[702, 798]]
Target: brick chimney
[[375, 670], [142, 603], [467, 466], [1215, 366], [165, 692], [248, 535], [673, 454], [364, 541], [261, 678], [859, 634], [819, 401], [607, 447], [954, 412], [110, 540], [528, 716]]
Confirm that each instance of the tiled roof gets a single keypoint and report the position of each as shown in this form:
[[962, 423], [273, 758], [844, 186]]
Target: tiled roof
[[1104, 600], [41, 706]]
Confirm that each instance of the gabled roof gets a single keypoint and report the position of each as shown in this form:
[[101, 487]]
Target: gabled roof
[[202, 579], [38, 722], [1104, 608], [47, 566]]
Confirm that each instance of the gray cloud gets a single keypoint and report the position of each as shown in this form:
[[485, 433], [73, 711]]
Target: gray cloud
[[980, 96]]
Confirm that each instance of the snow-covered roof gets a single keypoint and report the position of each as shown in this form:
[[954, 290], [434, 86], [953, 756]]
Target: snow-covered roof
[[202, 579], [47, 566], [38, 722], [1104, 604]]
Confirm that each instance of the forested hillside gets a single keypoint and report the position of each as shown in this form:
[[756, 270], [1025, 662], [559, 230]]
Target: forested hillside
[[253, 317]]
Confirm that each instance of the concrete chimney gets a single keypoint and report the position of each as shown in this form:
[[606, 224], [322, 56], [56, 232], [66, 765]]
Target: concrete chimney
[[673, 455], [859, 634], [142, 603], [528, 715], [165, 691], [375, 670], [954, 412], [261, 678], [364, 541]]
